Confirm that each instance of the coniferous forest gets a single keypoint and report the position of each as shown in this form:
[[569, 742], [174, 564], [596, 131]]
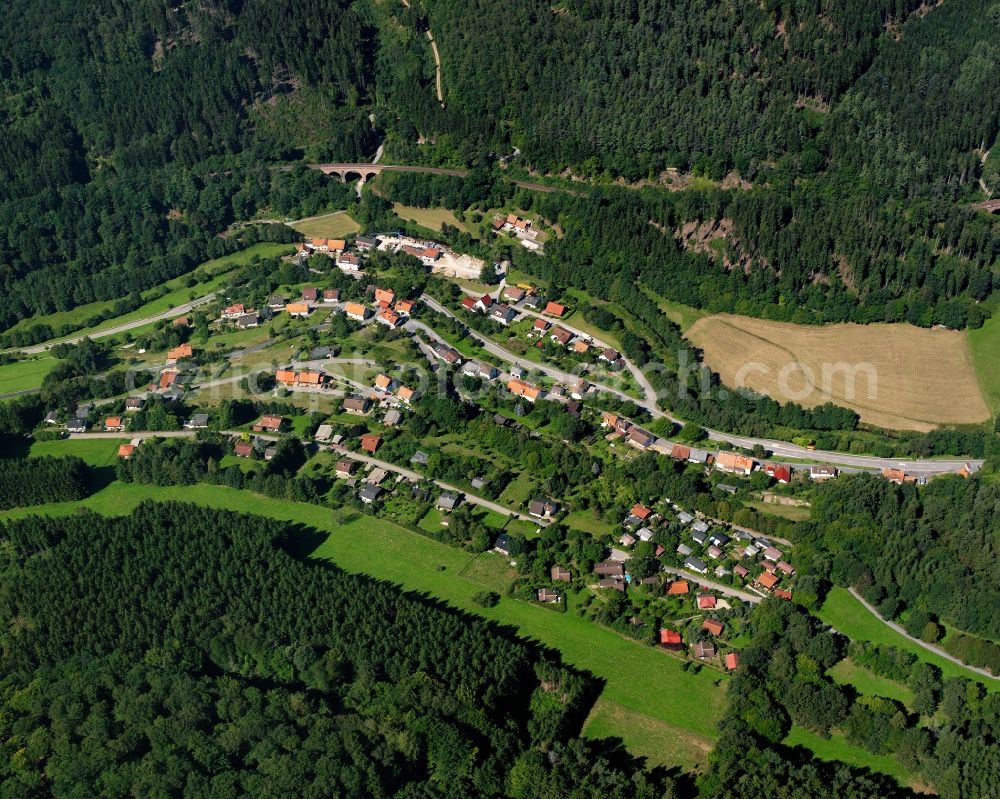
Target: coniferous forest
[[133, 134]]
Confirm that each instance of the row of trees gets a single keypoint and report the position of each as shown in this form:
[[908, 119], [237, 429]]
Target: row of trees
[[35, 481]]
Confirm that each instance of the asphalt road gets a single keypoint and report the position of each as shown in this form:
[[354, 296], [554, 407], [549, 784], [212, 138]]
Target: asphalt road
[[923, 644], [780, 449], [170, 313]]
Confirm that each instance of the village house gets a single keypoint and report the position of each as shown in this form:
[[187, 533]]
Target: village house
[[331, 295], [627, 540], [75, 425], [641, 511], [298, 309], [560, 574], [700, 456], [609, 355], [132, 404], [696, 565], [114, 424], [446, 353], [198, 421], [740, 571], [276, 302], [309, 294], [731, 661], [513, 293], [734, 463], [898, 476], [179, 353], [369, 493], [483, 304], [767, 581], [713, 627], [503, 314], [580, 389], [554, 309], [819, 472], [356, 311], [243, 449], [702, 650], [610, 568], [182, 321], [778, 472], [547, 595], [405, 307], [502, 544], [521, 389], [671, 639], [324, 432], [560, 335], [285, 377], [384, 382], [269, 424], [392, 418], [326, 245], [359, 406], [346, 468], [449, 501], [542, 508], [614, 583], [370, 442], [640, 439], [406, 394], [233, 311], [125, 451], [706, 601], [366, 242], [678, 588], [580, 346], [384, 297], [348, 262], [388, 318], [248, 320], [310, 379], [540, 326]]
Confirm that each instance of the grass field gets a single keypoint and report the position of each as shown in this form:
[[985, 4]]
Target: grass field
[[659, 743], [94, 451], [847, 672], [638, 680], [895, 376], [843, 612], [584, 521], [23, 375], [836, 747], [430, 218], [795, 513], [684, 316], [984, 344], [336, 226]]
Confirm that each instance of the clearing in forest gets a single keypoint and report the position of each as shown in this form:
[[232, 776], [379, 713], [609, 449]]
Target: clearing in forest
[[328, 226], [895, 376]]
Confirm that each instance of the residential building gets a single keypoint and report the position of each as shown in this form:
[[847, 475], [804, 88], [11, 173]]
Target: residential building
[[179, 353], [734, 463], [357, 311], [554, 309], [369, 493], [125, 451], [671, 639], [678, 588], [389, 318], [370, 442], [324, 432], [298, 309], [503, 314], [309, 294], [819, 472], [560, 574], [114, 424], [695, 565], [348, 262], [248, 320], [132, 404], [392, 418], [243, 449], [706, 601], [198, 421], [778, 472], [346, 468], [702, 650], [357, 405], [713, 627], [547, 595], [521, 389], [234, 311], [269, 424], [560, 335], [731, 661], [640, 439], [384, 297], [610, 568], [331, 295], [542, 508]]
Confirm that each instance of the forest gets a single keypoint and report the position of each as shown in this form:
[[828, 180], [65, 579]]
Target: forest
[[924, 556], [132, 136], [186, 651]]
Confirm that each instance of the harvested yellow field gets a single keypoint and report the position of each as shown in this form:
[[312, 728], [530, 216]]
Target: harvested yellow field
[[895, 376], [430, 218]]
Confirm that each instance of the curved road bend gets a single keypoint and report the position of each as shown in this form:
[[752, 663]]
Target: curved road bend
[[929, 647], [177, 310]]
